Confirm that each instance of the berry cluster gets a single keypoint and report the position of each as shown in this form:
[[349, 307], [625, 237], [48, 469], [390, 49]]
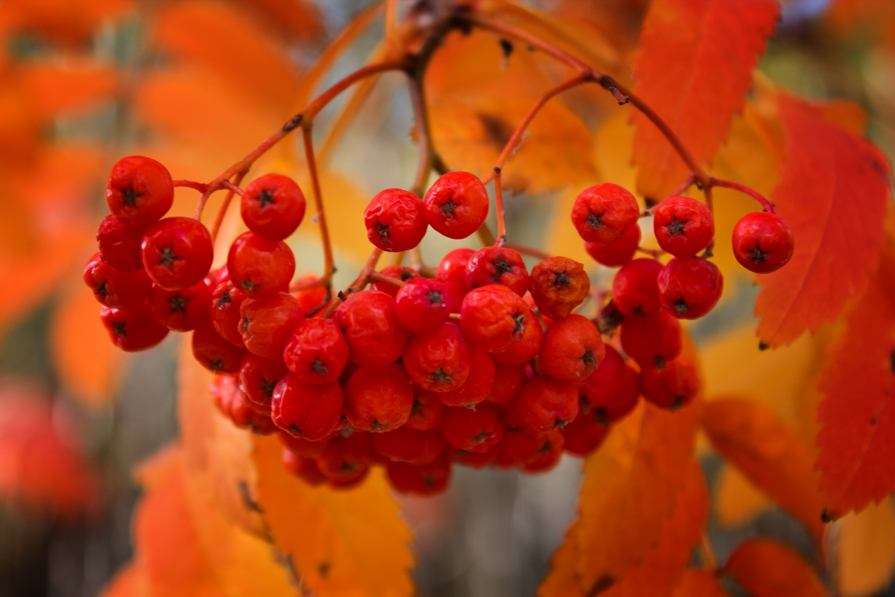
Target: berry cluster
[[479, 363]]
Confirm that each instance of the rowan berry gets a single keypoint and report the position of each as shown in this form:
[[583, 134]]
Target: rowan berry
[[302, 467], [132, 329], [427, 480], [258, 377], [652, 340], [177, 252], [181, 310], [260, 267], [584, 435], [452, 294], [762, 242], [399, 272], [558, 285], [671, 387], [508, 380], [493, 316], [476, 460], [272, 206], [267, 323], [119, 244], [316, 351], [226, 301], [497, 265], [472, 430], [116, 289], [426, 412], [420, 306], [603, 213], [511, 419], [516, 448], [346, 460], [526, 346], [222, 389], [635, 289], [368, 321], [545, 403], [457, 204], [301, 446], [572, 349], [214, 352], [477, 386], [245, 417], [690, 287], [309, 411], [378, 398], [407, 445], [395, 220], [616, 253], [439, 361], [619, 407], [452, 267], [605, 383], [683, 226], [139, 191], [313, 299], [548, 453]]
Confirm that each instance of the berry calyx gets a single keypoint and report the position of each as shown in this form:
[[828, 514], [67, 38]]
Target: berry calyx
[[545, 403], [316, 352], [457, 204], [266, 324], [652, 341], [368, 321], [472, 430], [441, 360], [132, 329], [308, 411], [272, 206], [762, 242], [635, 289], [421, 306], [572, 349], [181, 310], [113, 288]]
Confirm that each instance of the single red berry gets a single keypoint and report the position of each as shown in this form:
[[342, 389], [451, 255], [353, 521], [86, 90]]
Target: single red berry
[[493, 317], [116, 289], [508, 381], [690, 287], [244, 416], [426, 412], [309, 411], [511, 419], [302, 467], [132, 329], [395, 220], [549, 451], [119, 244], [558, 285], [545, 403], [181, 310], [311, 300], [215, 353], [368, 320], [420, 306], [457, 204], [260, 267], [619, 407], [406, 445], [616, 253], [139, 191], [572, 349], [497, 265], [429, 479], [635, 290], [399, 272], [671, 387], [762, 242], [526, 346], [441, 360], [317, 351], [604, 384], [477, 386], [683, 226], [378, 398], [301, 446], [226, 301], [453, 266], [272, 206], [258, 377], [476, 460], [267, 323], [652, 340], [472, 430], [177, 252], [346, 460], [584, 435], [603, 213]]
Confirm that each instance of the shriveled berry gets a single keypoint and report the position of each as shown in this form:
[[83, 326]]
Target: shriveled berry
[[604, 212], [493, 317], [267, 323], [272, 206], [395, 220], [260, 267], [441, 360], [545, 403], [690, 287], [497, 265], [139, 191], [116, 289], [572, 349], [378, 398], [635, 289], [258, 377], [671, 387], [309, 411], [226, 300], [558, 285], [316, 352], [181, 310], [472, 430], [215, 353], [420, 306], [132, 329], [616, 253], [426, 412], [177, 252], [457, 204], [652, 340], [119, 244], [399, 272], [453, 266], [762, 242], [368, 321], [477, 386], [429, 479], [683, 226]]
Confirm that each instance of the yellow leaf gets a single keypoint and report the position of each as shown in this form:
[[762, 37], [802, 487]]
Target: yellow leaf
[[867, 550], [737, 501]]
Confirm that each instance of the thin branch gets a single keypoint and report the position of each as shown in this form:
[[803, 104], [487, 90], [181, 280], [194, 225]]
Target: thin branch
[[765, 204], [498, 200], [329, 266], [225, 205]]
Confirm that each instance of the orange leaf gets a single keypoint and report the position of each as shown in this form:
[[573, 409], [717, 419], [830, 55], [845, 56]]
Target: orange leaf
[[737, 501], [629, 491], [694, 68], [349, 543], [699, 583], [563, 580], [866, 551], [834, 193], [771, 455], [857, 440], [65, 21], [128, 582], [766, 568], [67, 86], [300, 18]]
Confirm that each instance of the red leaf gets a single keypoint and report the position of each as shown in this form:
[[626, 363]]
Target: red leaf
[[768, 569], [694, 68], [857, 440], [833, 192]]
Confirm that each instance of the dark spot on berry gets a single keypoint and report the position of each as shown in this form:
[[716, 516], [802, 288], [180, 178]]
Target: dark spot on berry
[[447, 209], [501, 267], [319, 368], [225, 298], [416, 409], [677, 403], [601, 417], [482, 436], [560, 423], [323, 569], [249, 285], [660, 363], [168, 257], [382, 231], [681, 306], [595, 221], [120, 329], [268, 387], [762, 346], [130, 196], [265, 198], [178, 303], [100, 291], [376, 425], [583, 404], [519, 319], [429, 480], [638, 310], [675, 227], [406, 274], [544, 449], [507, 47], [756, 255], [439, 376], [295, 430], [244, 326], [562, 279], [892, 362], [434, 297], [590, 361], [349, 466], [873, 420], [825, 516], [216, 366], [601, 584]]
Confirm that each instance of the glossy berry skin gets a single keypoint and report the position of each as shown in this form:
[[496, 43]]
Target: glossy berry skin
[[260, 267], [603, 213], [346, 460], [426, 412], [214, 352], [690, 287], [545, 403], [316, 351], [584, 435], [526, 347], [378, 398], [762, 242], [119, 245], [452, 267], [272, 206], [134, 329], [457, 204], [113, 288], [572, 349], [472, 430], [558, 285], [683, 226], [226, 301], [671, 387], [139, 191], [406, 445], [420, 306], [177, 252], [368, 321], [497, 265], [267, 324], [304, 410], [477, 386], [635, 289], [652, 341], [425, 480], [493, 317], [258, 377], [395, 220], [508, 381], [181, 310], [616, 253], [441, 360]]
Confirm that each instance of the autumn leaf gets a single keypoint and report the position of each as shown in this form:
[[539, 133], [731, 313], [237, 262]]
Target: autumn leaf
[[765, 568], [63, 21], [346, 543], [737, 500], [128, 582], [834, 193], [866, 550], [68, 86], [693, 68], [857, 414], [769, 454], [699, 583]]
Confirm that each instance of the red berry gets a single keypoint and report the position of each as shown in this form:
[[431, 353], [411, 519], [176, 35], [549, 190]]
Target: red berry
[[316, 352], [683, 226], [558, 285], [476, 460], [477, 386], [420, 306], [619, 407], [368, 320], [116, 289], [472, 430], [441, 360], [272, 206], [311, 300], [453, 266], [457, 204], [346, 460], [526, 346], [267, 323], [406, 445], [426, 412], [762, 242], [399, 272], [605, 383], [493, 317], [139, 191], [652, 340], [244, 416], [603, 213], [616, 253], [395, 220], [177, 252], [545, 403], [305, 410], [215, 353], [302, 467], [119, 245], [548, 453], [584, 435], [508, 381], [378, 398], [497, 265], [301, 446], [690, 287], [635, 290], [671, 387], [132, 329], [260, 267], [226, 301], [429, 479], [572, 349], [181, 310], [258, 377]]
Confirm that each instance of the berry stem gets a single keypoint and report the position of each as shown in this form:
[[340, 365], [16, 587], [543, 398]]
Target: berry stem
[[709, 563], [526, 250], [363, 278], [377, 277], [225, 205], [191, 184], [654, 253], [498, 200], [710, 203], [232, 187], [717, 182], [424, 134], [683, 188], [329, 266]]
